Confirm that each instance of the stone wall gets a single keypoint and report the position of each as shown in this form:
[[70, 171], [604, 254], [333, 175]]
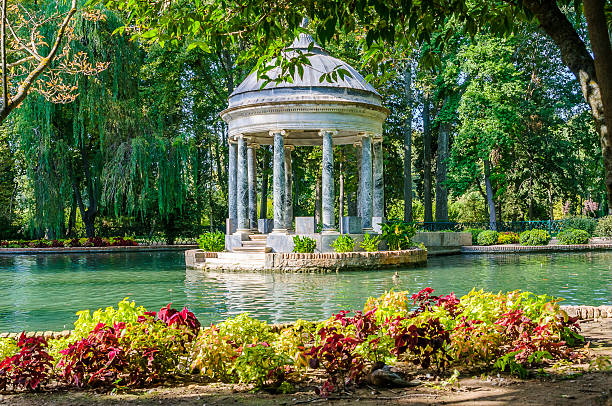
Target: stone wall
[[196, 259], [334, 261], [442, 243]]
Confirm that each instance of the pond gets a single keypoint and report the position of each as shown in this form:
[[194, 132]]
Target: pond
[[43, 292]]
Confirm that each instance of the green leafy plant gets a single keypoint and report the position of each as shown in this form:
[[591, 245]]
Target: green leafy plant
[[398, 235], [370, 242], [487, 237], [8, 347], [304, 244], [587, 224], [535, 237], [573, 236], [344, 243], [604, 227], [262, 365], [212, 241], [507, 238]]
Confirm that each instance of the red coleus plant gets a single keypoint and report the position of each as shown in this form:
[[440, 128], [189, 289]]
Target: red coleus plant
[[184, 320], [29, 367], [97, 360]]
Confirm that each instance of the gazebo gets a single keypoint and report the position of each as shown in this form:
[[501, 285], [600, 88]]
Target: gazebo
[[307, 112]]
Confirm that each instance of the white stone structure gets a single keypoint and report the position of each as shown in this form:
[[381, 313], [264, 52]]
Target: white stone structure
[[304, 113]]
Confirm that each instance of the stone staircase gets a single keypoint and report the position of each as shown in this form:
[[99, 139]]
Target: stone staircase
[[255, 244], [252, 255]]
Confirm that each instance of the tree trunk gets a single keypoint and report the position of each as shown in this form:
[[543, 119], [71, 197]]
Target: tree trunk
[[71, 219], [594, 76], [263, 207], [600, 43], [441, 170], [489, 190], [408, 143], [427, 200]]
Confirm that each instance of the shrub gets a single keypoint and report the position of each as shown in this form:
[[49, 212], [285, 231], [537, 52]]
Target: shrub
[[8, 347], [487, 237], [587, 224], [535, 237], [398, 235], [508, 238], [572, 236], [212, 241], [475, 232], [344, 243], [304, 244], [29, 367], [604, 227], [370, 242]]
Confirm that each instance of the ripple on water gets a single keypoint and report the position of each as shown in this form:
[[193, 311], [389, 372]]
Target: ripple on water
[[43, 292]]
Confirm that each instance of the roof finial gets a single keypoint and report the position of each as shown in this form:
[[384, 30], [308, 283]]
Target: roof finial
[[305, 22]]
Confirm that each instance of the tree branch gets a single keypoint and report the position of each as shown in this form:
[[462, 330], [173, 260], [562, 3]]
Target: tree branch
[[3, 56], [24, 87]]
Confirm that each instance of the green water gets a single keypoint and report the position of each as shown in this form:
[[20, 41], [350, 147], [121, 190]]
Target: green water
[[42, 292]]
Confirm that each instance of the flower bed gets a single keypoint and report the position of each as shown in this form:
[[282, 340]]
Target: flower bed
[[131, 347], [73, 242]]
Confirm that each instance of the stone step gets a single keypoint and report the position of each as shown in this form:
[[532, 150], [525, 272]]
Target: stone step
[[262, 249], [240, 256], [258, 237], [256, 243]]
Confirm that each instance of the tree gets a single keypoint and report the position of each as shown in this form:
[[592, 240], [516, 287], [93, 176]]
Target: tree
[[389, 21]]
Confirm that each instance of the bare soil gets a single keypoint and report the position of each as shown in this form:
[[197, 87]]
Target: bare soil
[[572, 384]]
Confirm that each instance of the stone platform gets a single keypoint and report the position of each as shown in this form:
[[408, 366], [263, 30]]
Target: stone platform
[[294, 262]]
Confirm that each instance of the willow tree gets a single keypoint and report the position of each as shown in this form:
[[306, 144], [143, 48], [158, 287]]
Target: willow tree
[[66, 145]]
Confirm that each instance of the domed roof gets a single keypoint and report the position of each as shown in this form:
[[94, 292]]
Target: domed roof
[[350, 88]]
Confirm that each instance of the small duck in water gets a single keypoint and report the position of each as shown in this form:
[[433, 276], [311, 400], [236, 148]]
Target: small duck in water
[[396, 277]]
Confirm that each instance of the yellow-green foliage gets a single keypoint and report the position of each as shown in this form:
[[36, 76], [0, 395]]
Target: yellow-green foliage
[[8, 348]]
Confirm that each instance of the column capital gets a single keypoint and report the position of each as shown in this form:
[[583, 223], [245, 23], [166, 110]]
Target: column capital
[[253, 145], [366, 134], [377, 138], [357, 144], [290, 147], [281, 132], [232, 139], [327, 131]]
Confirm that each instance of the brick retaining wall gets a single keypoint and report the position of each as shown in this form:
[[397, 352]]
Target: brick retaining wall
[[333, 261]]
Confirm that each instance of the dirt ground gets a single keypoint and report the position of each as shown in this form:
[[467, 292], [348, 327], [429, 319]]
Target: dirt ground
[[577, 384]]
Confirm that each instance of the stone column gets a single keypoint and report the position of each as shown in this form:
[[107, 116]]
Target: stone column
[[279, 181], [328, 196], [288, 187], [366, 182], [242, 187], [231, 187], [252, 169], [378, 200]]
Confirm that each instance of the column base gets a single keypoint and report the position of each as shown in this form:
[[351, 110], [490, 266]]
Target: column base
[[330, 231], [243, 234]]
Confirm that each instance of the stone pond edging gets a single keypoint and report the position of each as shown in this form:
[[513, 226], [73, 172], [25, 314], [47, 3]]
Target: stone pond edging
[[334, 261], [515, 248], [93, 250], [582, 312], [303, 262]]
